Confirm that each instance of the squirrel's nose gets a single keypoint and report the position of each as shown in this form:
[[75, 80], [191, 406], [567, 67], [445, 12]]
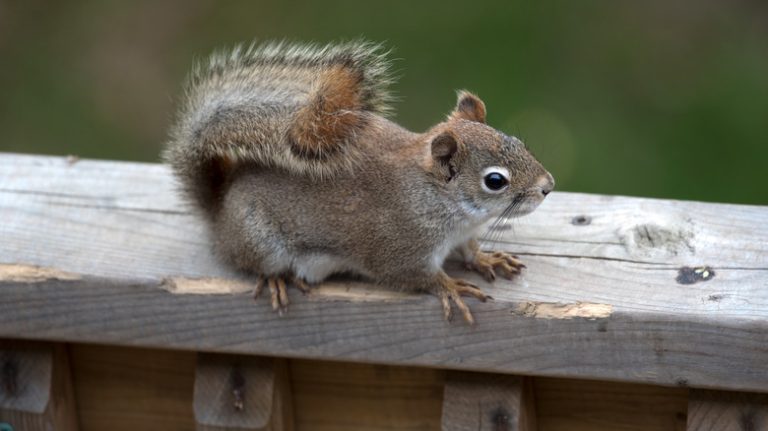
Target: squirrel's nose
[[546, 183]]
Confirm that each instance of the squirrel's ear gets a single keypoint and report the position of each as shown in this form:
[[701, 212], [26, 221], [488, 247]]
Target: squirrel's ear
[[469, 107], [444, 146]]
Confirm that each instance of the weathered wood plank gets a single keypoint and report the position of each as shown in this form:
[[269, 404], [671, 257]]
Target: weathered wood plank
[[636, 314], [488, 402], [36, 387], [236, 392], [586, 405], [727, 411], [122, 388], [334, 396], [129, 389], [623, 346]]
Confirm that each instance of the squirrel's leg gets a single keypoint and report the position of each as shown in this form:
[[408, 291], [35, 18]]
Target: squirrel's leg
[[452, 289], [487, 263]]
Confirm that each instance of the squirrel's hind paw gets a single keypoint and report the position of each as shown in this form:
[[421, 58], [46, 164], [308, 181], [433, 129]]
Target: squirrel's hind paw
[[452, 289], [487, 263]]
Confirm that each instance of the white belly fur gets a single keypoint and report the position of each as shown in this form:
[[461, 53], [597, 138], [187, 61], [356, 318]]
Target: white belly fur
[[450, 244], [315, 268]]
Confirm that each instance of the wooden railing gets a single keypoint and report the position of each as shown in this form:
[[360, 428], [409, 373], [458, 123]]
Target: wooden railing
[[616, 289]]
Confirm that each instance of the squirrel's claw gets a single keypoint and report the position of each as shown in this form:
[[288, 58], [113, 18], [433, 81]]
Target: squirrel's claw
[[452, 289], [278, 294], [278, 290], [487, 263]]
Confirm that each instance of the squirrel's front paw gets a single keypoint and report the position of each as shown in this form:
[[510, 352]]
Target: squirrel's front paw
[[278, 290], [451, 289], [487, 263]]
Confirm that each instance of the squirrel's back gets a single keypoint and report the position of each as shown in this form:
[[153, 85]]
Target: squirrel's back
[[286, 106]]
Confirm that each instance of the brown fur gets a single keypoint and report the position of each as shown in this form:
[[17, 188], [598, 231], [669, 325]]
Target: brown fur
[[304, 177], [469, 107], [294, 107], [322, 126]]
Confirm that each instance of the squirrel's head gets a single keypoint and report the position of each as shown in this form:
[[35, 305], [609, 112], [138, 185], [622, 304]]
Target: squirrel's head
[[493, 173]]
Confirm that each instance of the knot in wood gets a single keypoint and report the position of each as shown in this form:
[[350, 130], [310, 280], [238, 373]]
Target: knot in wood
[[666, 236], [655, 236]]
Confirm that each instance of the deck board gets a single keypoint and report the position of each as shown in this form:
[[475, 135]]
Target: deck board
[[121, 232]]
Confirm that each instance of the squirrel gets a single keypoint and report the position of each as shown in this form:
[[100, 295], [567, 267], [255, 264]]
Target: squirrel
[[288, 153]]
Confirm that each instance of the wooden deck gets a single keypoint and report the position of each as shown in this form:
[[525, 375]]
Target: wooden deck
[[618, 289]]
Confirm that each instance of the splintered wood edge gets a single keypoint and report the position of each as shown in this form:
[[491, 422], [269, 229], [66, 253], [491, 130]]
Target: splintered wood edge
[[20, 273], [333, 290], [330, 290], [556, 310], [205, 286], [352, 291]]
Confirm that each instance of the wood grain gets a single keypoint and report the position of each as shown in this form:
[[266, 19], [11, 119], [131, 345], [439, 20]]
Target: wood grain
[[727, 411], [488, 402], [124, 388], [129, 389], [587, 405], [335, 396], [684, 282], [36, 387], [236, 392]]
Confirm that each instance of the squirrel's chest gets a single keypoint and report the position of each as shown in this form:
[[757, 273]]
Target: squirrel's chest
[[450, 243]]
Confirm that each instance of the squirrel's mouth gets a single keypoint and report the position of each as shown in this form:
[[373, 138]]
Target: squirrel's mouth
[[525, 203]]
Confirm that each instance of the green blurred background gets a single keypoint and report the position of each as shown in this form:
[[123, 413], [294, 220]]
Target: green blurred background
[[657, 98]]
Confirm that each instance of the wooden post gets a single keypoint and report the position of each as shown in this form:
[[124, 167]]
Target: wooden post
[[243, 393], [727, 411], [488, 402], [36, 387]]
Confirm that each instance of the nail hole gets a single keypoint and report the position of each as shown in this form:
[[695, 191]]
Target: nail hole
[[581, 220]]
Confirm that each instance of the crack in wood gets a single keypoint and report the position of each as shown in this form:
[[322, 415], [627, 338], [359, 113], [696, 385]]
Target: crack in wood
[[119, 208]]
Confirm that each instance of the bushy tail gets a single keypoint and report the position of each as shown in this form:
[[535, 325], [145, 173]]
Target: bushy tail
[[291, 106]]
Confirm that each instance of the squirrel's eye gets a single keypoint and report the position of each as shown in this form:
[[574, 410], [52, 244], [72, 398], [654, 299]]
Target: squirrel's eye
[[495, 181]]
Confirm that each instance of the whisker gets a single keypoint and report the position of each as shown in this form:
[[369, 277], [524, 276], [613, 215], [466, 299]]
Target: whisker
[[492, 228], [493, 233], [496, 234], [499, 233]]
